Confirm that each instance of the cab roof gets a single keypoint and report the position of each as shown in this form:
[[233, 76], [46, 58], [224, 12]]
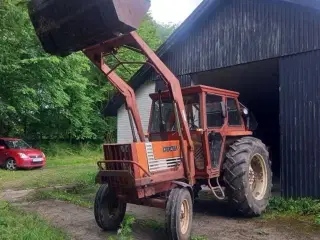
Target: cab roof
[[199, 89]]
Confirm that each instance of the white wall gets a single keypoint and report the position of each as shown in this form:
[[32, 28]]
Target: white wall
[[124, 134]]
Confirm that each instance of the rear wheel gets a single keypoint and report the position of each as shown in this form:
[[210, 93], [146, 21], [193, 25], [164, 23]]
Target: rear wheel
[[109, 211], [248, 176], [179, 213], [11, 164]]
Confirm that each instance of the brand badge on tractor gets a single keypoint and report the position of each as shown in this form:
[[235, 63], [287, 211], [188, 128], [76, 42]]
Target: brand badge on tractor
[[170, 149]]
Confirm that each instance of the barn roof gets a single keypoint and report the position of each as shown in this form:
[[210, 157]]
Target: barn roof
[[207, 5]]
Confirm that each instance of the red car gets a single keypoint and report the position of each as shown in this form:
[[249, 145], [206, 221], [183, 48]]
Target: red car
[[15, 153]]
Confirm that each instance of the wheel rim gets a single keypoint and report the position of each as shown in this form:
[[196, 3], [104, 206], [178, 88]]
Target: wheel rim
[[184, 216], [11, 164], [258, 177]]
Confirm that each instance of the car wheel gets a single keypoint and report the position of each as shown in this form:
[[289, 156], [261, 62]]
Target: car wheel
[[11, 164]]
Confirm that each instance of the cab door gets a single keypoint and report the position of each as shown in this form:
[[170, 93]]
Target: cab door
[[215, 113]]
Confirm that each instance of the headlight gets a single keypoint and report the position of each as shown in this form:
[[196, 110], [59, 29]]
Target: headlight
[[245, 111], [22, 155], [43, 155]]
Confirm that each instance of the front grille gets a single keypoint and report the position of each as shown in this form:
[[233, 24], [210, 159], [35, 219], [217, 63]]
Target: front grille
[[118, 153], [35, 156], [36, 163]]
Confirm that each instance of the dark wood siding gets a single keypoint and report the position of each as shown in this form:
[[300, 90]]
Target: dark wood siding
[[300, 124], [238, 32]]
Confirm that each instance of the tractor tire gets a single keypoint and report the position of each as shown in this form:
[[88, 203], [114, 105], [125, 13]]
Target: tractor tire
[[247, 176], [109, 211], [179, 214]]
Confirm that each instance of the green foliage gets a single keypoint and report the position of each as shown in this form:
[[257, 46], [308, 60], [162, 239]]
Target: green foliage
[[47, 97], [199, 238], [62, 149], [303, 206], [125, 231], [16, 224]]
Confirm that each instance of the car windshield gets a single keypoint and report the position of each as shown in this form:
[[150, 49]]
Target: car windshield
[[17, 144]]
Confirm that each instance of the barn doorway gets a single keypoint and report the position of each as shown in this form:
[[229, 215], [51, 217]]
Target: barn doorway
[[258, 84]]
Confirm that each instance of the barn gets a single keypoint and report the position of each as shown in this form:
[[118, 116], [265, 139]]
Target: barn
[[269, 51]]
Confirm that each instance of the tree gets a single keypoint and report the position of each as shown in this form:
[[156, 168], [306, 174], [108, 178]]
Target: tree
[[48, 97]]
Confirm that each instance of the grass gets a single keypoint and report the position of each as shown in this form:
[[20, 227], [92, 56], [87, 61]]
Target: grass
[[82, 195], [16, 224], [199, 238], [304, 207]]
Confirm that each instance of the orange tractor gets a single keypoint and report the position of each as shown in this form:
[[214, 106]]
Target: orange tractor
[[197, 135]]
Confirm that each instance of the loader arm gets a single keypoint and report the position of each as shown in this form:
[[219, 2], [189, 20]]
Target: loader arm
[[134, 42]]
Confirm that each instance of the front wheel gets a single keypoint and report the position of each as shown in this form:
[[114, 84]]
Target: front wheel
[[11, 164], [248, 177], [179, 214], [109, 211]]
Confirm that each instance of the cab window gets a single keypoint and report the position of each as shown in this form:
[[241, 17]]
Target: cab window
[[214, 111], [234, 117], [192, 106]]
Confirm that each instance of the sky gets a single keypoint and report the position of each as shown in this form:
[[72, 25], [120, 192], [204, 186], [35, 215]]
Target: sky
[[172, 11]]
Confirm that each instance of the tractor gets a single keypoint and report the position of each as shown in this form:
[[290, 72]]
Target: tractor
[[197, 135]]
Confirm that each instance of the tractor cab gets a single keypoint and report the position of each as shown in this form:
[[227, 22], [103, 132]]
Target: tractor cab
[[214, 116]]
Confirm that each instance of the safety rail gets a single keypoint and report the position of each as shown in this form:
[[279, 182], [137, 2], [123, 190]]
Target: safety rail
[[99, 163]]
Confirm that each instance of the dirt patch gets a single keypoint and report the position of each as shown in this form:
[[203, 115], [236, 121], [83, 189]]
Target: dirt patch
[[209, 221]]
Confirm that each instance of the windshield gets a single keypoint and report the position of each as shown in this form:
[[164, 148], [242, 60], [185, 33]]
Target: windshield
[[17, 144], [192, 105]]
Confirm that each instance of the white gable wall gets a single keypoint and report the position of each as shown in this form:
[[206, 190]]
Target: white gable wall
[[124, 134]]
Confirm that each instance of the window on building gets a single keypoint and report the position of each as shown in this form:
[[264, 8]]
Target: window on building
[[234, 117], [214, 111]]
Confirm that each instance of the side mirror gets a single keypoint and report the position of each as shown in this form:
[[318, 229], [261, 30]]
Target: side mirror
[[224, 110], [2, 147]]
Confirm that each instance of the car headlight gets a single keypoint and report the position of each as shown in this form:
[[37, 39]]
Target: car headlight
[[43, 155], [22, 155]]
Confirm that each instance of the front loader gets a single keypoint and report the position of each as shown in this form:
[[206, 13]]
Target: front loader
[[197, 136]]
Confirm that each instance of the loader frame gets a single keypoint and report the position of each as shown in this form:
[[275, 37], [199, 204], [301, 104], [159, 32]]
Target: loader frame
[[134, 42]]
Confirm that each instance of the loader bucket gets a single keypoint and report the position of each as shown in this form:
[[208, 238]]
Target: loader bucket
[[66, 26]]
